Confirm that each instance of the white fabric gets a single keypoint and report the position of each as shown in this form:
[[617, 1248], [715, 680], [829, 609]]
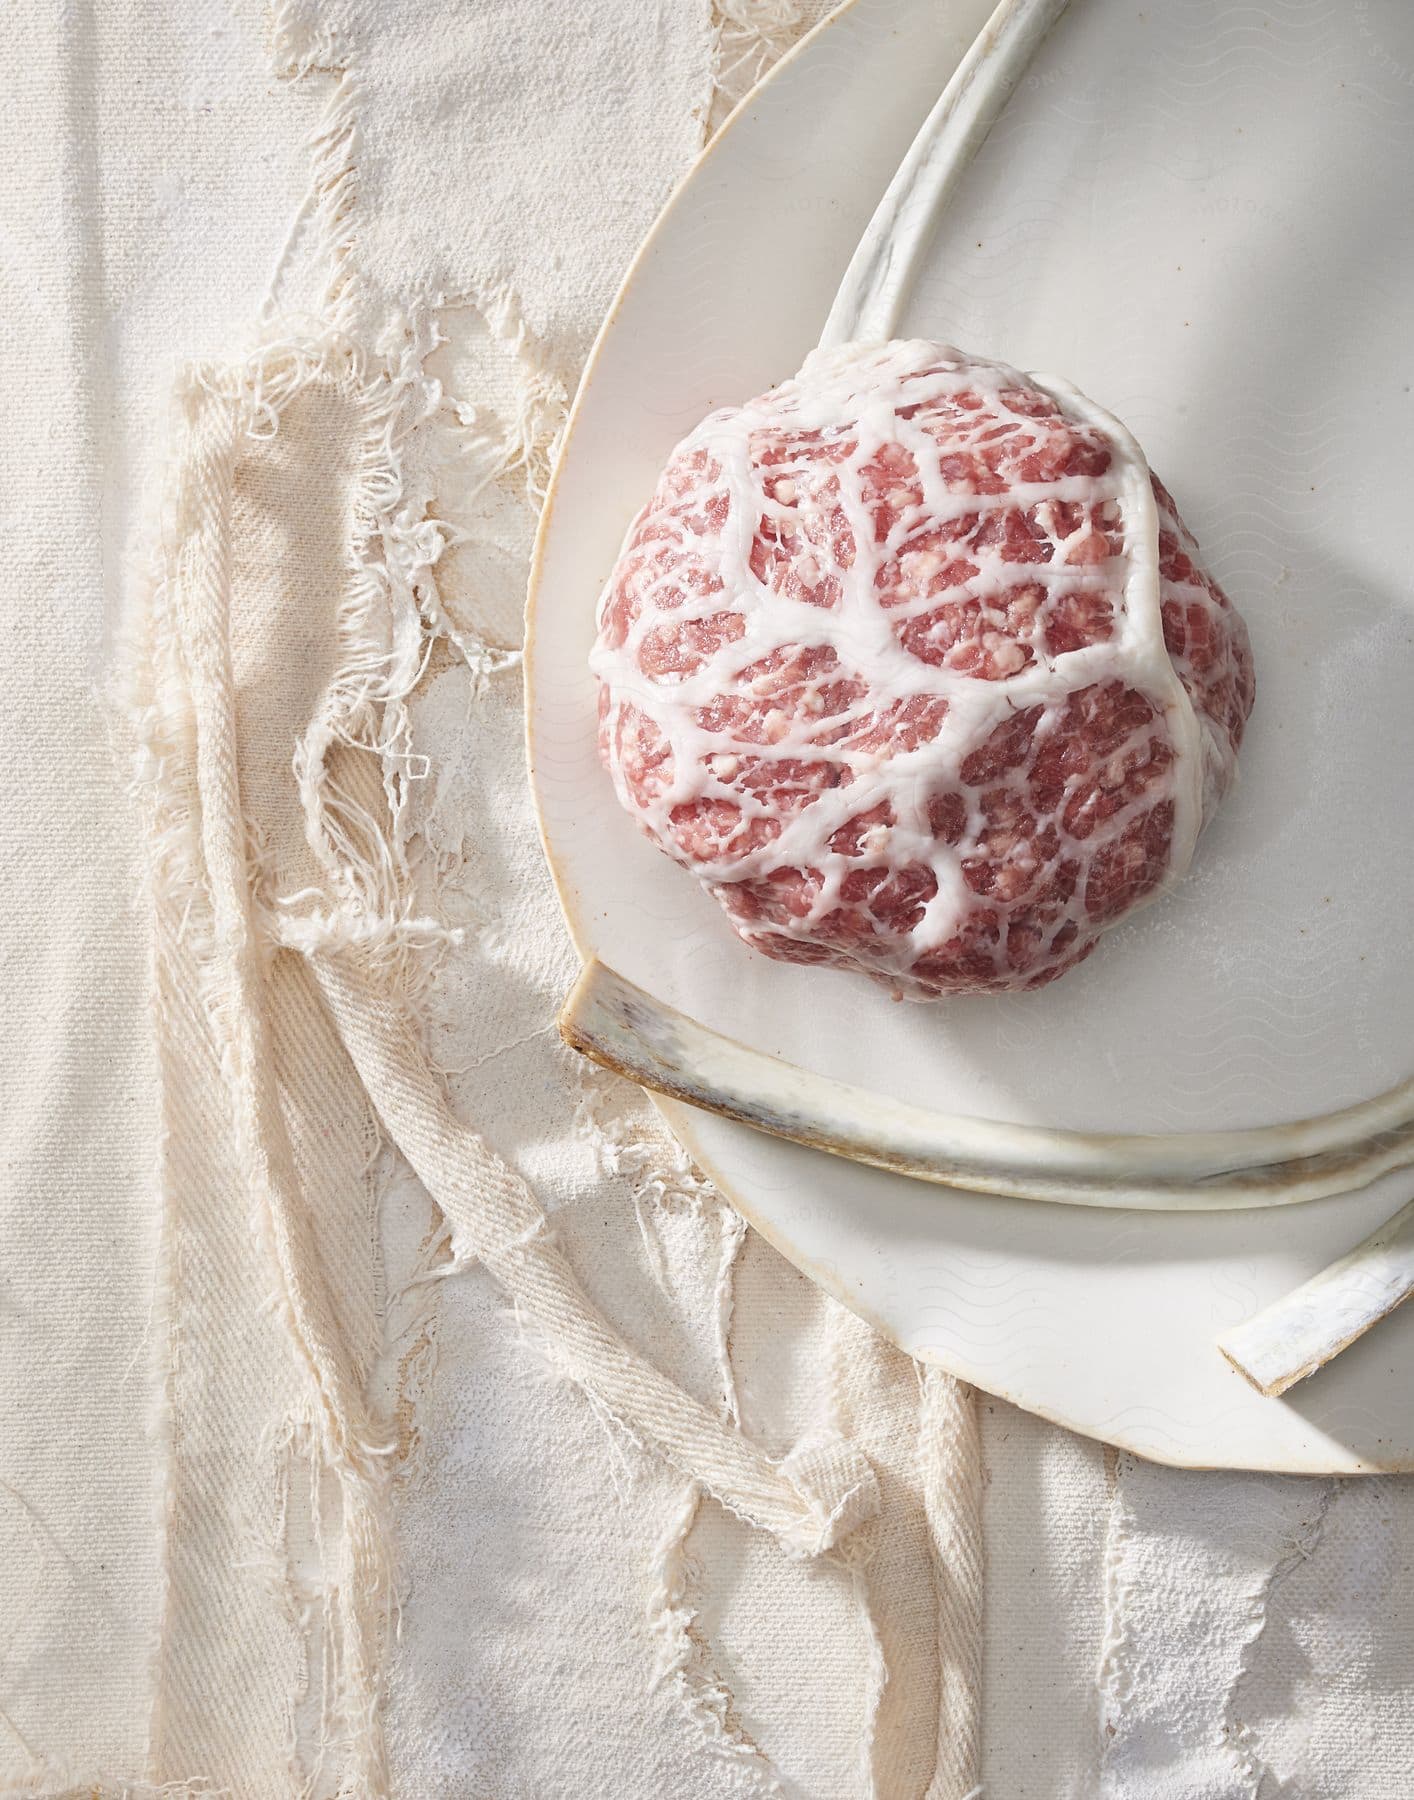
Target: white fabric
[[572, 1619], [1289, 1598]]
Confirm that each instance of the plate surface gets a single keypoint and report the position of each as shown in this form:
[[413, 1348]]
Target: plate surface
[[1196, 213]]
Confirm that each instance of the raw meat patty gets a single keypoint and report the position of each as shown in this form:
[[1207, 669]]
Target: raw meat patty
[[913, 663]]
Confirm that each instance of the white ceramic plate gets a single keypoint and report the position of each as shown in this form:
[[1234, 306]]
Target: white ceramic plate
[[1198, 213]]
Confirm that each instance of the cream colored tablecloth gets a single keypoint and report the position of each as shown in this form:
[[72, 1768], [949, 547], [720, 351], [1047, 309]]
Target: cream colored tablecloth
[[312, 1480]]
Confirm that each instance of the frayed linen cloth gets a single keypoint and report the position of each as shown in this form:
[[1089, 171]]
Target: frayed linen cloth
[[389, 1407]]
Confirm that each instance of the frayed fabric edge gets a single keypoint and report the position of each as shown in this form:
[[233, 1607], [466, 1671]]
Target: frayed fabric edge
[[748, 36], [681, 1659], [810, 1501], [177, 705], [1273, 1555], [1237, 1733]]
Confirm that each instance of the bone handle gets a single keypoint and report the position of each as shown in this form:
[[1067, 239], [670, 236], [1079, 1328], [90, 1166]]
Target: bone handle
[[621, 1026], [877, 282], [1301, 1332]]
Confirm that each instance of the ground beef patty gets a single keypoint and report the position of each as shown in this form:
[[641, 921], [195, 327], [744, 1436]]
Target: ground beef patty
[[913, 663]]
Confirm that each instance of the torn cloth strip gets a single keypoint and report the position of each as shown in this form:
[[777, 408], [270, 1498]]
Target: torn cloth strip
[[275, 1616], [811, 1500]]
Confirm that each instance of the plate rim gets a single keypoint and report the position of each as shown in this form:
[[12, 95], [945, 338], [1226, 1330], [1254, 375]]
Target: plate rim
[[586, 380], [681, 1119]]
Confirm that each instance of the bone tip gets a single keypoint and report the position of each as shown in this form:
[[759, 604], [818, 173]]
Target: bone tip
[[1271, 1386]]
